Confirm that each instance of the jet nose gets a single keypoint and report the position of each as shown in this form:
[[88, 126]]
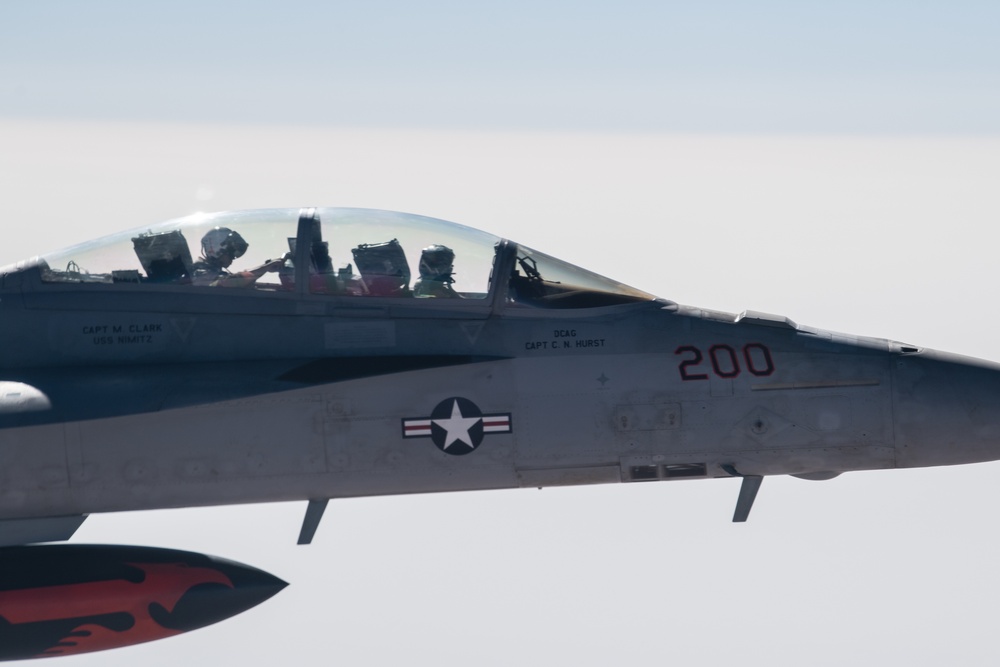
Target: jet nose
[[946, 409]]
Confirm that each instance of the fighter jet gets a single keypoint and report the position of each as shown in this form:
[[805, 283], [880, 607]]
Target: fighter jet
[[287, 354]]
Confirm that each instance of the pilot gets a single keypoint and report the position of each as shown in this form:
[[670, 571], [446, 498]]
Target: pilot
[[219, 248], [436, 270]]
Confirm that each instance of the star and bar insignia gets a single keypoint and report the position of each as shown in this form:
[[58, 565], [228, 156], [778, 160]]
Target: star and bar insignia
[[457, 426]]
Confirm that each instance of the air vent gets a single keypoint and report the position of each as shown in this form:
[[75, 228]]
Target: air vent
[[766, 320], [645, 473], [677, 470]]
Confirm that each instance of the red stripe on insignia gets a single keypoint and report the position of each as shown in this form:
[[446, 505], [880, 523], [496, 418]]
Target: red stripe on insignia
[[496, 423], [416, 428]]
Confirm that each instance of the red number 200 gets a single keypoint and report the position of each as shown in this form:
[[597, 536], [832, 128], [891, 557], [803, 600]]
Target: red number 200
[[724, 361]]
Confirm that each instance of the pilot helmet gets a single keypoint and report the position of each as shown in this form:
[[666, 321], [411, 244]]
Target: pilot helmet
[[222, 241], [436, 262]]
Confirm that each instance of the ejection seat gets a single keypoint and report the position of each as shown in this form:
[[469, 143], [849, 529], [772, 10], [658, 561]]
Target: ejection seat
[[383, 268], [165, 256]]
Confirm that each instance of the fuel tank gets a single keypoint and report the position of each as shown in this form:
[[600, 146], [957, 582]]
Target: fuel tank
[[67, 599]]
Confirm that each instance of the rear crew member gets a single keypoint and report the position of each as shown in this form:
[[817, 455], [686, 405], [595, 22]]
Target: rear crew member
[[219, 248], [436, 271]]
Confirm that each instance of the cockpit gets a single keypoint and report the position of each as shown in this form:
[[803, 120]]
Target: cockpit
[[337, 252]]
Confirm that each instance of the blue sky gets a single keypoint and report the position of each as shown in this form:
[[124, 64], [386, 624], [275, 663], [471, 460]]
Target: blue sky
[[765, 67]]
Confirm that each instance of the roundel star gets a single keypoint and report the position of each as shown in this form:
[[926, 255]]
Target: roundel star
[[458, 428]]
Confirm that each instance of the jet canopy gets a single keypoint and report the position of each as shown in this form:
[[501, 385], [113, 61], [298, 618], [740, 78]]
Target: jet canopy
[[335, 252]]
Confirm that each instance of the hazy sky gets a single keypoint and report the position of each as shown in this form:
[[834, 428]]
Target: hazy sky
[[891, 237], [716, 66], [835, 163]]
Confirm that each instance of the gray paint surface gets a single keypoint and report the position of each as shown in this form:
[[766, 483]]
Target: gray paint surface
[[145, 395]]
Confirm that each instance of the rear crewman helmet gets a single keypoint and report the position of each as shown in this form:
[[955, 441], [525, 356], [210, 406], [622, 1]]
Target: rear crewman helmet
[[222, 241], [436, 262]]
